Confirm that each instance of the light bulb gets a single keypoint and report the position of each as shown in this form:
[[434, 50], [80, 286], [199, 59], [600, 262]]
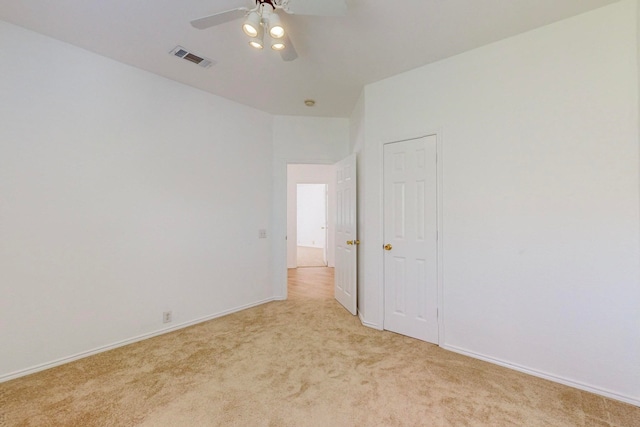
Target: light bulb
[[276, 30], [251, 25], [249, 30]]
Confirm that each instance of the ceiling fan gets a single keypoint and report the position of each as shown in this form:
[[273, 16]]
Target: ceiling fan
[[263, 19]]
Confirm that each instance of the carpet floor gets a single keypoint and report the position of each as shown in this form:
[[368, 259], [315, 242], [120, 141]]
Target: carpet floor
[[300, 362]]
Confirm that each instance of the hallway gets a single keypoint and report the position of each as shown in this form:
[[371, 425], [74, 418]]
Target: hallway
[[310, 283]]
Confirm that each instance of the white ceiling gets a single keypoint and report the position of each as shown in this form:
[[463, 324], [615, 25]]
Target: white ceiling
[[337, 55]]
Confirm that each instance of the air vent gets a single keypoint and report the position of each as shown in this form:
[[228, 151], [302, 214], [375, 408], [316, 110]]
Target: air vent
[[183, 53]]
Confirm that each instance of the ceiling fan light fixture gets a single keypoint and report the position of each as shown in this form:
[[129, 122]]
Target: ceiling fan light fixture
[[257, 41], [276, 30], [277, 45], [251, 25]]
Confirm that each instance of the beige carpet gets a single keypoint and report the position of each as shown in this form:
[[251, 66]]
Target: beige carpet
[[310, 257], [302, 362]]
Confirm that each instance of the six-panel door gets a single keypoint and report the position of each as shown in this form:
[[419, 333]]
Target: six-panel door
[[410, 231]]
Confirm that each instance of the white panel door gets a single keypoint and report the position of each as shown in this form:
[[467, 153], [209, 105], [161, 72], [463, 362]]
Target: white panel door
[[410, 233], [346, 239]]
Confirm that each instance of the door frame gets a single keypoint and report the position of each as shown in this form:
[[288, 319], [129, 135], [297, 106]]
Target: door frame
[[440, 222], [278, 222]]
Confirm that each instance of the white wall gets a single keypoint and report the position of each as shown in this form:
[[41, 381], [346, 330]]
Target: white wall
[[540, 197], [312, 215], [302, 140], [309, 174], [122, 194]]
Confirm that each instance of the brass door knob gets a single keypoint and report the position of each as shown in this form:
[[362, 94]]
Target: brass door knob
[[349, 242], [356, 242], [388, 247]]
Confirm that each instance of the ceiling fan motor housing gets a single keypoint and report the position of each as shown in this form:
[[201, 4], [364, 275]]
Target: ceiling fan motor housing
[[272, 3]]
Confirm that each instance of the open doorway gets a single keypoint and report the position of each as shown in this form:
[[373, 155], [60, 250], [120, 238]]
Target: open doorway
[[311, 225], [317, 205]]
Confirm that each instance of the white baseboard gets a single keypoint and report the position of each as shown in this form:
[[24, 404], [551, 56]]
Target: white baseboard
[[546, 376], [62, 361]]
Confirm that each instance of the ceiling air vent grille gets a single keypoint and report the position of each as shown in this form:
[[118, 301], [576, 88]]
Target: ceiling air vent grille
[[183, 53]]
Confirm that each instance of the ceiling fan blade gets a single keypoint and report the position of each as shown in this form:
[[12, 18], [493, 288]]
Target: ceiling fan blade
[[289, 52], [316, 7], [219, 18]]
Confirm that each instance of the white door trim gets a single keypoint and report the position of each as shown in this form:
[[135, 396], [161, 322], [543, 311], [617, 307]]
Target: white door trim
[[438, 133]]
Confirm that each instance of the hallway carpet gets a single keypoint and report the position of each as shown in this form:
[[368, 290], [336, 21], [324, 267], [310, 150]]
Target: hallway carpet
[[300, 362]]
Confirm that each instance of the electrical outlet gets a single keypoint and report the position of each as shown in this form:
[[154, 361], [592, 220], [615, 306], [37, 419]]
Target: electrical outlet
[[262, 234], [166, 317]]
